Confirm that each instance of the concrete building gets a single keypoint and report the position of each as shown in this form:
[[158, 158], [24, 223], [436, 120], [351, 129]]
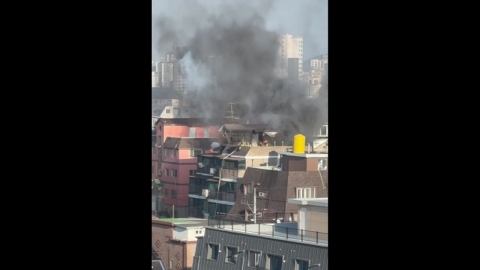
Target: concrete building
[[290, 47], [179, 162], [320, 144], [313, 214], [174, 241], [165, 98], [229, 245], [180, 77], [166, 75]]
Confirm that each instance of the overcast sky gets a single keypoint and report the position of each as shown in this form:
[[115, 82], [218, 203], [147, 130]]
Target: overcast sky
[[305, 18]]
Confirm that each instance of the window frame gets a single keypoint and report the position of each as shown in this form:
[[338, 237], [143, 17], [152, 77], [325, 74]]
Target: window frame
[[300, 259], [209, 251], [248, 258], [226, 254]]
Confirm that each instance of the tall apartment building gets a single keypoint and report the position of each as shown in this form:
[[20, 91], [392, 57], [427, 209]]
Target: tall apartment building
[[290, 47], [180, 77], [166, 74]]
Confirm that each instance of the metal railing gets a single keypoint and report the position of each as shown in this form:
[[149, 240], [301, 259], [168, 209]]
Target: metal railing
[[285, 230]]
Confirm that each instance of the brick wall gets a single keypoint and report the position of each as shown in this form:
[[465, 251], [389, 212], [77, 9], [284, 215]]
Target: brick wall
[[171, 250]]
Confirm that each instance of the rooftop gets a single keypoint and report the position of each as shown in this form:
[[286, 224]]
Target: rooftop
[[181, 222], [279, 231], [314, 201]]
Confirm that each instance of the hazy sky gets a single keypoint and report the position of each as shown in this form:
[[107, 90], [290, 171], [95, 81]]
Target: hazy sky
[[306, 18]]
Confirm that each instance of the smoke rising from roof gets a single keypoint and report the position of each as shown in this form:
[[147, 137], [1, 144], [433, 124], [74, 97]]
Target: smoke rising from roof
[[243, 70]]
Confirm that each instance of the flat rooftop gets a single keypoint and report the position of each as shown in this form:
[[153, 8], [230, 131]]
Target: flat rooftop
[[314, 201], [183, 222]]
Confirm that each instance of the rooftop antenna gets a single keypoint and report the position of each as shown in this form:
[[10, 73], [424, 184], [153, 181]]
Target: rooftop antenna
[[232, 113]]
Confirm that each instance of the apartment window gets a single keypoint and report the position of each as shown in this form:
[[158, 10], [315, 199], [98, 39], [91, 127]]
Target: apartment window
[[230, 165], [212, 252], [167, 171], [241, 165], [322, 164], [174, 194], [166, 152], [192, 172], [174, 172], [274, 262], [303, 193], [195, 152], [301, 265], [168, 111], [174, 152], [166, 192], [206, 132], [324, 131], [170, 265], [232, 255], [254, 258]]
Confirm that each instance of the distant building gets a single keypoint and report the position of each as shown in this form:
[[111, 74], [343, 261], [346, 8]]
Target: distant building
[[180, 77], [174, 241], [290, 47], [165, 98], [294, 73]]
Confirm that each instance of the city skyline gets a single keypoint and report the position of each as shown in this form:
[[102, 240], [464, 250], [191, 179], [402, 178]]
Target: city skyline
[[306, 18]]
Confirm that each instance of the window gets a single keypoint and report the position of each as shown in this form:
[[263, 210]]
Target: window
[[232, 255], [192, 132], [166, 192], [170, 265], [174, 194], [195, 152], [167, 172], [154, 150], [322, 164], [249, 188], [230, 165], [168, 111], [166, 152], [254, 258], [241, 165], [274, 262], [324, 131], [212, 252], [305, 193], [174, 152], [174, 172], [192, 172], [301, 265], [206, 132]]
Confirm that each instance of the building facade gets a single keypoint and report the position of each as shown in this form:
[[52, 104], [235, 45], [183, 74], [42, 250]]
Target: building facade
[[290, 47], [179, 162], [234, 246]]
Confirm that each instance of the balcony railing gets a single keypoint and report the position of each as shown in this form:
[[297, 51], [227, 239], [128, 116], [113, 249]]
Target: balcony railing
[[274, 230], [209, 169]]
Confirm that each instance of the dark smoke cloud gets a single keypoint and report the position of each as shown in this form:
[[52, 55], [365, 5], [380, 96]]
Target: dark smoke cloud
[[245, 73]]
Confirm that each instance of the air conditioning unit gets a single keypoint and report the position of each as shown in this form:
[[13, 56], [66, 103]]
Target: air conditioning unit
[[200, 164], [205, 192], [213, 170], [262, 194]]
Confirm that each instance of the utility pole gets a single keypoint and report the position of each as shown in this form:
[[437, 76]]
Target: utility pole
[[173, 213], [231, 112], [255, 205]]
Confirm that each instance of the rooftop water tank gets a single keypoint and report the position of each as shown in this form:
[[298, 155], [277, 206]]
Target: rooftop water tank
[[299, 144]]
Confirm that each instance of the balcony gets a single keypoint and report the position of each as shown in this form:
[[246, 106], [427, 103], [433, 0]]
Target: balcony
[[223, 196], [210, 169], [196, 189], [232, 173]]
